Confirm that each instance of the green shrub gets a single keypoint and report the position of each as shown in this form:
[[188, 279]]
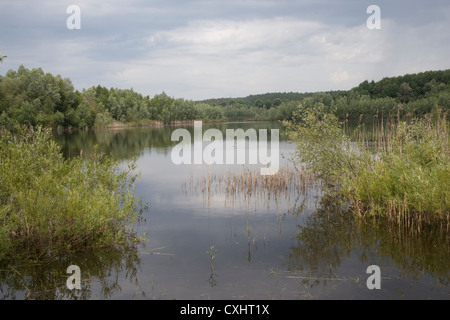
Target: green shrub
[[404, 174], [321, 145], [49, 205]]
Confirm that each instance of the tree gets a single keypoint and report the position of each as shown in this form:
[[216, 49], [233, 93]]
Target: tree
[[259, 103], [433, 87], [390, 88], [276, 102], [2, 58], [405, 93]]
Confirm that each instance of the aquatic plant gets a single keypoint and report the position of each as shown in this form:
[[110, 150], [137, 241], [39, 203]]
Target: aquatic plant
[[50, 206], [212, 255], [248, 184], [402, 172]]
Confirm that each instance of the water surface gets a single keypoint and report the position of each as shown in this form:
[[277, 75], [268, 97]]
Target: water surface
[[298, 245]]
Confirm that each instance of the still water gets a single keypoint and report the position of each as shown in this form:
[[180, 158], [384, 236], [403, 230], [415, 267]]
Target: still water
[[205, 243]]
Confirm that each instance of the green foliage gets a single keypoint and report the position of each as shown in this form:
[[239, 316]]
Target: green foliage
[[259, 100], [212, 255], [50, 206], [411, 172], [321, 145], [209, 111], [259, 103], [32, 97], [403, 173], [283, 112], [405, 93], [239, 112], [421, 84]]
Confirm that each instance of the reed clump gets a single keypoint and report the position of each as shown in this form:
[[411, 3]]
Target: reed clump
[[248, 184], [50, 206], [402, 172]]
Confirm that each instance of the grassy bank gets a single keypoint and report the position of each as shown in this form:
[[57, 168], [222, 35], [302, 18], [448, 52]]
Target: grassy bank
[[50, 206], [400, 171]]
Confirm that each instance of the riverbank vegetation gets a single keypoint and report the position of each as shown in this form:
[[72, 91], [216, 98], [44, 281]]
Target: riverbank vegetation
[[398, 170], [33, 97], [50, 206]]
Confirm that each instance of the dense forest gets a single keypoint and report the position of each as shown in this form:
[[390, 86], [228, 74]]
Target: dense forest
[[33, 97]]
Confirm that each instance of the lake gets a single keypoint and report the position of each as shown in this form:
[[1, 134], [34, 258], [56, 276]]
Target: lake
[[204, 242]]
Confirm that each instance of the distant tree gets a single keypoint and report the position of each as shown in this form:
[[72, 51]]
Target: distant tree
[[33, 97], [209, 111], [276, 102], [259, 103], [364, 87], [405, 93], [433, 87], [2, 58], [376, 90], [390, 88]]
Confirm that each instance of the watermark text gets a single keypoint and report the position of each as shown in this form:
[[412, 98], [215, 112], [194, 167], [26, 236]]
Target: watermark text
[[231, 151]]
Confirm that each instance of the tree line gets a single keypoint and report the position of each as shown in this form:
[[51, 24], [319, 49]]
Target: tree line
[[33, 97], [411, 94]]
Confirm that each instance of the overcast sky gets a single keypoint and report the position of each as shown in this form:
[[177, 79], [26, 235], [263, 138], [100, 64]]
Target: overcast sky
[[229, 48]]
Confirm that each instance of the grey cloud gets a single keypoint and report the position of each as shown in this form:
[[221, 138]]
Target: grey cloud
[[202, 49]]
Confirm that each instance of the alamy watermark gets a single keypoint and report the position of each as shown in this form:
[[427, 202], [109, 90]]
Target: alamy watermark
[[74, 20], [74, 281], [374, 21], [213, 153], [374, 281]]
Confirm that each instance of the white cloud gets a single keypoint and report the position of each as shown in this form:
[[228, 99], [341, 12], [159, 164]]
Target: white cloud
[[228, 36], [341, 76], [239, 57], [355, 45]]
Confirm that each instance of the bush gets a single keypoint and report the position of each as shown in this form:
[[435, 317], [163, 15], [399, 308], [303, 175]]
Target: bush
[[321, 145], [49, 206], [409, 175], [403, 174]]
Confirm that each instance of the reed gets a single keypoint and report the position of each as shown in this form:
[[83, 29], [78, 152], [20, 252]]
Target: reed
[[247, 184], [399, 170]]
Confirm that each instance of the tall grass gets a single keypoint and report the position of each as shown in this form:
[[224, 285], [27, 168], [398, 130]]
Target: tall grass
[[50, 206], [248, 185], [401, 172]]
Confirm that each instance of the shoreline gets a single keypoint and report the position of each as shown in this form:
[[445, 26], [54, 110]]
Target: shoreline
[[116, 125]]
